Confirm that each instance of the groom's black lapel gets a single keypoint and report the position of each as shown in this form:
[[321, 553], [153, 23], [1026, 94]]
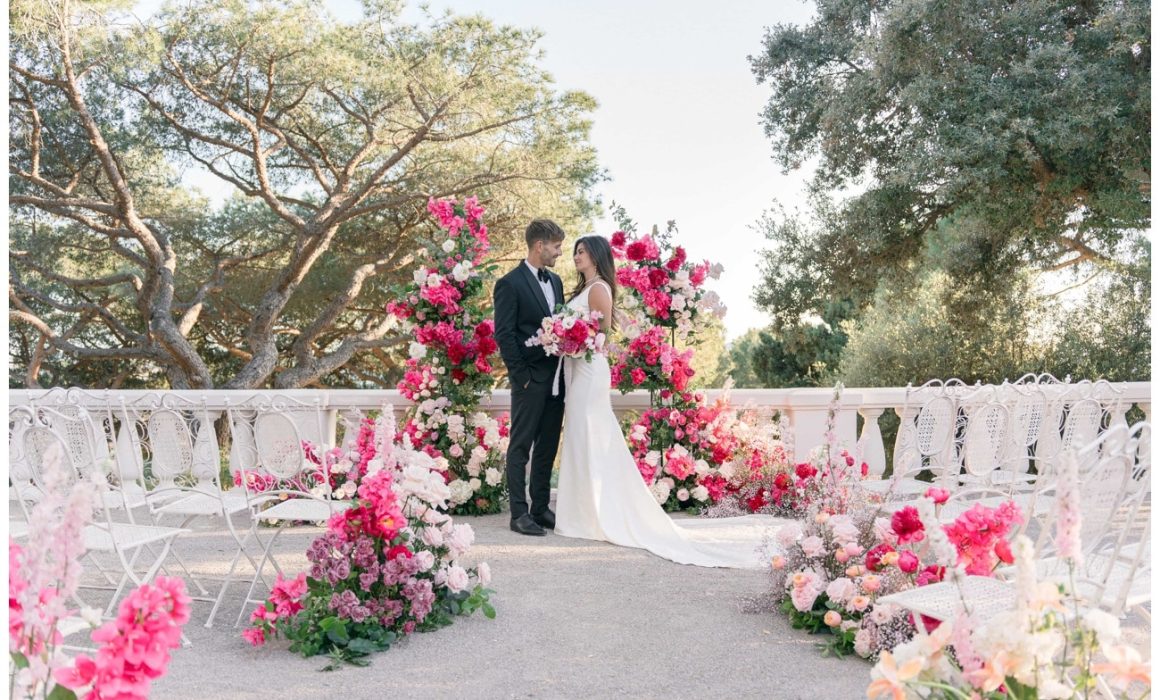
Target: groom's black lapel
[[558, 286], [534, 288]]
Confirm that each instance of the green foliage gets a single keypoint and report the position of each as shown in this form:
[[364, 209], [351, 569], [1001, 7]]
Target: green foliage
[[330, 135], [1028, 120], [1110, 334]]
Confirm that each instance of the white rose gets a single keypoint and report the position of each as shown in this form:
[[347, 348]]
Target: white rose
[[461, 272], [420, 276], [474, 484], [457, 578], [682, 494], [862, 641], [432, 537], [493, 476], [812, 546], [425, 559], [418, 351], [700, 493], [448, 245], [434, 280], [660, 491], [701, 467], [727, 470], [789, 534], [677, 302], [460, 491]]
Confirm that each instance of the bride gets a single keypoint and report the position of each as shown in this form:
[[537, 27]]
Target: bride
[[601, 495]]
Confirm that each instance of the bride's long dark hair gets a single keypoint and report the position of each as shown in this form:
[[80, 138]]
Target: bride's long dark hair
[[601, 253]]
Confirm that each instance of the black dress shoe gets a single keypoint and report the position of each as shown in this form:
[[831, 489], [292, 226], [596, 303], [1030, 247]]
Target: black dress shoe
[[526, 526], [546, 519]]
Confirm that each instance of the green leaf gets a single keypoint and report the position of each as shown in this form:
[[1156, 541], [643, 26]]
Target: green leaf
[[488, 611], [59, 692]]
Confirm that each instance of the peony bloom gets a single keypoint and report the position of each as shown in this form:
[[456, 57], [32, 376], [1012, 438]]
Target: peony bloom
[[813, 546], [841, 589], [907, 525]]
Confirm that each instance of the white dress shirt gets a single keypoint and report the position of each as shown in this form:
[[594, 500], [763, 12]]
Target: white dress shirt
[[549, 293]]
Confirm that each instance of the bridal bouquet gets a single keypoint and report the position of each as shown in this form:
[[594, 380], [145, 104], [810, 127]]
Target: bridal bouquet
[[570, 334]]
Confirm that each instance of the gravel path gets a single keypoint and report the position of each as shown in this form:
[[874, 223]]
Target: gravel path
[[575, 619]]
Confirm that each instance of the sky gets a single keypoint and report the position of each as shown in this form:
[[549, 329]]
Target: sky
[[677, 128]]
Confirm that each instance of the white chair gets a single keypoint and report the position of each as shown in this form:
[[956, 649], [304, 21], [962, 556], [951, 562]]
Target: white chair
[[127, 542], [302, 492], [1115, 573], [928, 439], [185, 477]]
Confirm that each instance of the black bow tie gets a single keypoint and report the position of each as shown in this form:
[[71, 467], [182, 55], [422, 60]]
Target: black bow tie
[[543, 275]]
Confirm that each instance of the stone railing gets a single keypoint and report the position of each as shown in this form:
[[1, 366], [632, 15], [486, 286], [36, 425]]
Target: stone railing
[[804, 410]]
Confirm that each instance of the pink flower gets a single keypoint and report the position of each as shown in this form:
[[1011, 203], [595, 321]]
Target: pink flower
[[939, 496], [255, 636], [907, 562], [907, 525], [871, 583]]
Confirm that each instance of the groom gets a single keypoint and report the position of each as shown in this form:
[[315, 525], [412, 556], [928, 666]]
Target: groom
[[523, 297]]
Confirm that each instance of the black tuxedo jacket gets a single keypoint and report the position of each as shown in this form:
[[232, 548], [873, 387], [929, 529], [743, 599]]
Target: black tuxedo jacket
[[520, 308]]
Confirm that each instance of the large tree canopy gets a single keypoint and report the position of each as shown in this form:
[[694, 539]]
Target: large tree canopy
[[1025, 124], [330, 135]]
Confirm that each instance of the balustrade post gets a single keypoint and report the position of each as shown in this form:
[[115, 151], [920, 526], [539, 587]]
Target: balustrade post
[[807, 412], [870, 445]]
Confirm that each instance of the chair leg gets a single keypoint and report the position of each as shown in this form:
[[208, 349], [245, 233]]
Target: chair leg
[[261, 566], [241, 551]]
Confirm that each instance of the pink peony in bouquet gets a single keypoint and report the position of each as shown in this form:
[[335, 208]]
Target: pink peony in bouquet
[[570, 334]]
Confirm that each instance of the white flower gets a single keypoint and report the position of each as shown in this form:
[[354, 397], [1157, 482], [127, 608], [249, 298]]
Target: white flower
[[788, 535], [493, 476], [460, 491], [425, 559], [682, 494], [457, 578], [434, 280], [653, 458], [841, 589], [701, 467], [700, 493], [461, 272], [727, 470], [813, 546], [432, 537], [862, 643], [474, 484], [420, 276], [448, 245], [460, 540], [1106, 626], [677, 302], [660, 491]]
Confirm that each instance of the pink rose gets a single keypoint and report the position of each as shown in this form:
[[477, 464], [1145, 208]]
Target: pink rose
[[907, 562]]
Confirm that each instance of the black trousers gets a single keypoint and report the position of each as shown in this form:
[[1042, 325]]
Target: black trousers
[[535, 429]]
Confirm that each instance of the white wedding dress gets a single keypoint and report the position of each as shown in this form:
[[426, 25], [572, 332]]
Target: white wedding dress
[[601, 495]]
